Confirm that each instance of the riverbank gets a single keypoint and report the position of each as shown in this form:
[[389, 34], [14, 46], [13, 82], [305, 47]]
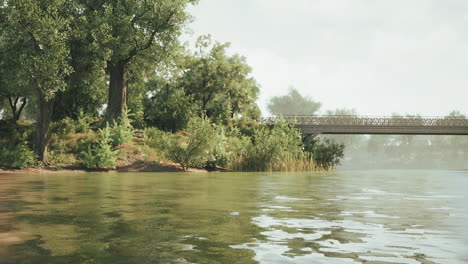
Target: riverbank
[[77, 146], [138, 166]]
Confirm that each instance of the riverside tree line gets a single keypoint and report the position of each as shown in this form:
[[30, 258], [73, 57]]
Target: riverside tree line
[[90, 73]]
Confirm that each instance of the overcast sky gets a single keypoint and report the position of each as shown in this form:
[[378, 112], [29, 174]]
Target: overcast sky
[[377, 56]]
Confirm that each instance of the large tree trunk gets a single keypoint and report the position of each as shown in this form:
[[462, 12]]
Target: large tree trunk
[[44, 116], [117, 103]]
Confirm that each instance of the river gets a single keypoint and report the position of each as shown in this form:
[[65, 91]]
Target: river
[[338, 217]]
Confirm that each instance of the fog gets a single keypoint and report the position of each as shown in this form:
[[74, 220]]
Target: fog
[[404, 152], [379, 57]]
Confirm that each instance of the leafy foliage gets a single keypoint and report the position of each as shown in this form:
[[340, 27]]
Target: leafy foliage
[[38, 30], [200, 145], [101, 155], [68, 125], [122, 132], [293, 104], [192, 150], [271, 146], [326, 153], [208, 82], [220, 84], [67, 58], [169, 109], [64, 126], [159, 140], [19, 154]]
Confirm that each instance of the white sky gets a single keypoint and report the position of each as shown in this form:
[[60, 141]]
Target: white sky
[[377, 56]]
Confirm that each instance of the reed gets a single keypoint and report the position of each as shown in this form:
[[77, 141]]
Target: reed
[[287, 163]]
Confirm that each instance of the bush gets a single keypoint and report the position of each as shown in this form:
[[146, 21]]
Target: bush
[[18, 155], [217, 155], [101, 155], [122, 132], [159, 140], [169, 110], [83, 122], [236, 147], [326, 153], [203, 145], [63, 127], [194, 149], [270, 148], [69, 126]]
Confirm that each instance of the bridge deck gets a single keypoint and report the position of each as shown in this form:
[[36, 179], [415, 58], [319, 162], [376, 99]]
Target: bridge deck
[[378, 125]]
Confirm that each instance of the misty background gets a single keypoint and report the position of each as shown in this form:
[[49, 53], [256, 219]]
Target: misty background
[[378, 58]]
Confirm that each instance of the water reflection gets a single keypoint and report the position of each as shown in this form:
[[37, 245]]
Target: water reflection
[[365, 225], [352, 217]]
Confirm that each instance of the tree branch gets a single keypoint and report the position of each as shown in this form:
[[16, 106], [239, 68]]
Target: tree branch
[[11, 104], [137, 50], [23, 104]]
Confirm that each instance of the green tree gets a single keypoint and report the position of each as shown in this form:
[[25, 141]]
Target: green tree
[[326, 153], [13, 82], [342, 112], [220, 84], [456, 114], [166, 106], [38, 30], [87, 84], [207, 82], [169, 108], [134, 31], [293, 104]]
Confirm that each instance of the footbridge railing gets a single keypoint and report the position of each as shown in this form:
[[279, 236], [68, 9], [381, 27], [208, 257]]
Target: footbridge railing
[[407, 125]]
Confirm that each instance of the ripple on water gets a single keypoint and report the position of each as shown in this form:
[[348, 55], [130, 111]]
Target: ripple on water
[[353, 240], [287, 198], [371, 214]]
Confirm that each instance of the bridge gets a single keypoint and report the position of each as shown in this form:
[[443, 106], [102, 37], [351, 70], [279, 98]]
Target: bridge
[[358, 125]]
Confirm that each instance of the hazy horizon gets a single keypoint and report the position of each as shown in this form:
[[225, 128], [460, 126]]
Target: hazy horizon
[[379, 57]]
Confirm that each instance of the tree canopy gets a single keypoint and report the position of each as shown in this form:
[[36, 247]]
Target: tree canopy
[[293, 104], [207, 82], [36, 33]]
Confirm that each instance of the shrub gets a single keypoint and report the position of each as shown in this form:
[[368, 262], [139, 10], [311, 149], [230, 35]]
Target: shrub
[[122, 132], [83, 122], [101, 155], [169, 109], [19, 155], [236, 148], [202, 145], [159, 140], [326, 153], [270, 147], [193, 149], [63, 127], [69, 126], [217, 155]]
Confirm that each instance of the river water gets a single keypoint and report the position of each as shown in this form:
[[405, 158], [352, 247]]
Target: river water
[[338, 217]]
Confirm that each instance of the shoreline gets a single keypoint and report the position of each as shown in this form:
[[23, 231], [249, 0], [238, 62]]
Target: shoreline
[[135, 167]]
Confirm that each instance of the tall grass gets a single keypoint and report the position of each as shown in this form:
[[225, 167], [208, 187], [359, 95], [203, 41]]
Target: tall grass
[[287, 163]]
